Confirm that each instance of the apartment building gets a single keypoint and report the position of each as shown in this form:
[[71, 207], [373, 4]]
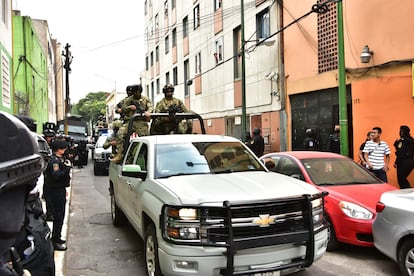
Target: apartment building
[[6, 52], [379, 87], [197, 46]]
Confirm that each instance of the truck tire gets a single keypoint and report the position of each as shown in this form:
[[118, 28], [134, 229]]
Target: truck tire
[[152, 263], [95, 169], [118, 217]]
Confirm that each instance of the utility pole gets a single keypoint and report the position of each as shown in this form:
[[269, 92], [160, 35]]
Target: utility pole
[[243, 76], [343, 114], [68, 60]]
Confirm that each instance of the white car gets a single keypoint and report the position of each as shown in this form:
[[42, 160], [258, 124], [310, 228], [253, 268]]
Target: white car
[[206, 205], [393, 228], [101, 156]]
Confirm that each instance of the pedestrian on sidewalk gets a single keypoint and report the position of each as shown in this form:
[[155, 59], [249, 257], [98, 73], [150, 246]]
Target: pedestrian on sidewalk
[[377, 154], [405, 153], [57, 178]]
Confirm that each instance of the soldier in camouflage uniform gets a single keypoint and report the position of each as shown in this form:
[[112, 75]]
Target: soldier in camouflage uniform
[[136, 103], [111, 139], [171, 105]]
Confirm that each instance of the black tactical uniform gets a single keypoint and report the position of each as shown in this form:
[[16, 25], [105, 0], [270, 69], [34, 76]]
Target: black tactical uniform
[[57, 178], [256, 144], [405, 156]]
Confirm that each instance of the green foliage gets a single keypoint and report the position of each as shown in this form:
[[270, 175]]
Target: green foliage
[[91, 107]]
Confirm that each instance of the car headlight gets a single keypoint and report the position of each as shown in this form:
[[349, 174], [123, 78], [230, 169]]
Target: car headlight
[[355, 211], [181, 224]]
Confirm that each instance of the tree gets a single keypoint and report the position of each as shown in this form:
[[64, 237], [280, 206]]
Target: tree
[[92, 106]]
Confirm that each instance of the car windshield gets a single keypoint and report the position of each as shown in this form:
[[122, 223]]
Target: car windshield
[[101, 141], [337, 171], [204, 157]]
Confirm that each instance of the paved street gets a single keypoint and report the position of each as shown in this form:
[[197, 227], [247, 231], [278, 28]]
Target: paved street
[[96, 248]]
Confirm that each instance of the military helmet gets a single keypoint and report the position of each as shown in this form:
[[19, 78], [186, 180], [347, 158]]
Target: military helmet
[[135, 88], [49, 133], [168, 88], [116, 124]]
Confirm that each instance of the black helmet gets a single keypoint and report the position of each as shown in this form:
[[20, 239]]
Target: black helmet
[[49, 133], [168, 88], [20, 166], [134, 89]]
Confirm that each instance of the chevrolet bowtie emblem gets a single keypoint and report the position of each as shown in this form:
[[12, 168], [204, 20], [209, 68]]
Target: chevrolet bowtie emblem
[[265, 220]]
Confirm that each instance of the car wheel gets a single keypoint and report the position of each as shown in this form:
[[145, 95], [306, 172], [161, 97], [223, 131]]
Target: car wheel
[[332, 241], [151, 252], [118, 217], [406, 258]]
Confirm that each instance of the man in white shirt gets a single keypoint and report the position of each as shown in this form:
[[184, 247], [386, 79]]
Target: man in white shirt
[[377, 153]]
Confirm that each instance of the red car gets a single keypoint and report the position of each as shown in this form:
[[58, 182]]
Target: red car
[[353, 191]]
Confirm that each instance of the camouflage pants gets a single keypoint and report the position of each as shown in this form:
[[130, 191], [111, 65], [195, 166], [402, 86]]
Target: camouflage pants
[[160, 127], [140, 127]]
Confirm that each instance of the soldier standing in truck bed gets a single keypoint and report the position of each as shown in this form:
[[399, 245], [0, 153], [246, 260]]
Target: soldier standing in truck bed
[[171, 105], [136, 103]]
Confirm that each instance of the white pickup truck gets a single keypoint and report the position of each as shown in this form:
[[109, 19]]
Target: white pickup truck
[[205, 205]]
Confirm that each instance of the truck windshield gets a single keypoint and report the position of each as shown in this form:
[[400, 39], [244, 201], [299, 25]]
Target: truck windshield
[[204, 157]]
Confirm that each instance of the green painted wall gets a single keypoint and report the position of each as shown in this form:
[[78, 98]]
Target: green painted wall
[[8, 109], [30, 71]]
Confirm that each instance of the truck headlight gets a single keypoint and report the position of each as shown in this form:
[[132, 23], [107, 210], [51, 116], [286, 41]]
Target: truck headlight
[[181, 224], [317, 213], [355, 211]]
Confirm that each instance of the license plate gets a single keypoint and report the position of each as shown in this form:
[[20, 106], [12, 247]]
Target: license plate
[[273, 273]]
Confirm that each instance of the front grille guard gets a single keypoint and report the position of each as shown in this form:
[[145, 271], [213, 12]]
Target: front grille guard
[[303, 235]]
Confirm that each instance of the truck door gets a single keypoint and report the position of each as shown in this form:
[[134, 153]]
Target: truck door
[[137, 186], [125, 182]]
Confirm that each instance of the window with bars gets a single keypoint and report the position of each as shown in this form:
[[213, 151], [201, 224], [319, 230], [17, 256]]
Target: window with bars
[[327, 39], [5, 73], [185, 27], [175, 76], [167, 44]]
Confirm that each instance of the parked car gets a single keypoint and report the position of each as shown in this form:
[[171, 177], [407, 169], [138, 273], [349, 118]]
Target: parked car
[[393, 228], [101, 156], [353, 191]]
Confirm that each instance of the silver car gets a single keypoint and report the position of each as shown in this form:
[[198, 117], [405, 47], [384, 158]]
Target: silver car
[[393, 228]]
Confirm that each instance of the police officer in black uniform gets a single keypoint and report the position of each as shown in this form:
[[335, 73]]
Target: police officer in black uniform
[[57, 178], [405, 153], [256, 144]]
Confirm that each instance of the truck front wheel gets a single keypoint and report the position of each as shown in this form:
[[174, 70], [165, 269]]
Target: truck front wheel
[[151, 252]]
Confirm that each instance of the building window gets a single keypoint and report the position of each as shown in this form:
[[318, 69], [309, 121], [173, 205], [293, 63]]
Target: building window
[[217, 4], [4, 12], [146, 63], [186, 77], [167, 78], [157, 23], [158, 86], [236, 52], [219, 54], [146, 7], [166, 8], [157, 54], [197, 63], [175, 76], [173, 4], [263, 25], [174, 37], [5, 73], [196, 14], [185, 27], [167, 44], [152, 59]]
